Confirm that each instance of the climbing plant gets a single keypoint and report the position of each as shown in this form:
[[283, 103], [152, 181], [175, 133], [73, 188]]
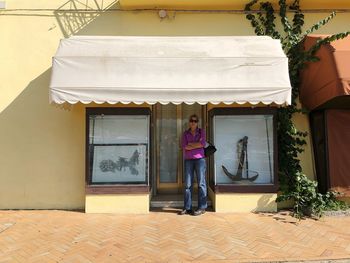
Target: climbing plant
[[294, 184]]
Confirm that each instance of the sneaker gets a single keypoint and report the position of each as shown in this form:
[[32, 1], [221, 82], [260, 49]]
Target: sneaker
[[185, 212], [199, 212]]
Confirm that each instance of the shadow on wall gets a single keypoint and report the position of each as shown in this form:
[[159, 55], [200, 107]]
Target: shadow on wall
[[103, 17], [42, 151], [267, 203], [74, 15], [42, 145]]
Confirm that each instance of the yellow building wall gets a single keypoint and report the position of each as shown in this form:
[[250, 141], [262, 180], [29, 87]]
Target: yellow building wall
[[126, 203], [42, 146], [301, 122], [223, 4], [244, 203]]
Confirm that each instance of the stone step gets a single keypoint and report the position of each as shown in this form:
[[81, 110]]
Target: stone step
[[172, 201]]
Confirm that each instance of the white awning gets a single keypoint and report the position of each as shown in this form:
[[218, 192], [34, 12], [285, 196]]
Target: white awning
[[170, 69]]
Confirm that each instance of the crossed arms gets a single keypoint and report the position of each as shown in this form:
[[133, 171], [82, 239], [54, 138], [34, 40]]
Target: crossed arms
[[193, 145]]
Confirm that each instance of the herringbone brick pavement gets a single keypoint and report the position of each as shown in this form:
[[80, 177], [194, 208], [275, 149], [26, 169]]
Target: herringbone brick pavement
[[164, 236]]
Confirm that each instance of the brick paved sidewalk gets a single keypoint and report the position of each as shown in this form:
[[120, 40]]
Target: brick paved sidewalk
[[65, 236]]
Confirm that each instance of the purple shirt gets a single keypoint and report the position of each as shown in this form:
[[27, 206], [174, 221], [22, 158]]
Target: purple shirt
[[187, 138]]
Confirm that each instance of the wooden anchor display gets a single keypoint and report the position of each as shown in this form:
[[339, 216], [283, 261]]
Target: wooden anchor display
[[243, 159]]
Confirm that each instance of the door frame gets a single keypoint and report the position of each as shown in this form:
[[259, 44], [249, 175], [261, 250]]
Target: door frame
[[171, 188]]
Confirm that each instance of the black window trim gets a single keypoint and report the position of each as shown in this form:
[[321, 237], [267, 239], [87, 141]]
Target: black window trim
[[116, 187]]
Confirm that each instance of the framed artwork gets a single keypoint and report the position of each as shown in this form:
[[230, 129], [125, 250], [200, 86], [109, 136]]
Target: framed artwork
[[119, 163], [117, 152], [245, 149], [246, 157]]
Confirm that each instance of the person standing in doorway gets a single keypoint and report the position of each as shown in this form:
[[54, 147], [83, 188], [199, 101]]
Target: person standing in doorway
[[193, 143]]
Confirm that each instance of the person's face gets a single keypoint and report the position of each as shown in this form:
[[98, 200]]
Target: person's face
[[193, 123]]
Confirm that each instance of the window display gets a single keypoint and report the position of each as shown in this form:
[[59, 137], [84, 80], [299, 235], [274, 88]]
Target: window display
[[118, 148], [245, 152]]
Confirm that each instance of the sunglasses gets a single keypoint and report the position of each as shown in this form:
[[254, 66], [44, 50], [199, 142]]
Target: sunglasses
[[192, 120]]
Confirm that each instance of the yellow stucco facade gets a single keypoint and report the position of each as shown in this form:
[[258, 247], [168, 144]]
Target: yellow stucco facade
[[223, 4], [244, 203], [126, 204], [42, 164]]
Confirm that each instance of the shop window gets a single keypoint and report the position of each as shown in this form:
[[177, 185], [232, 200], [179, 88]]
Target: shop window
[[118, 146], [246, 156]]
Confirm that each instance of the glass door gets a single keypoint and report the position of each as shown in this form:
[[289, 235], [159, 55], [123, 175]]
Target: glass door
[[171, 122]]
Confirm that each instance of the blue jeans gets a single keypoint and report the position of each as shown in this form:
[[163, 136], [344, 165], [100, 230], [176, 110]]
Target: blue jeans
[[198, 165]]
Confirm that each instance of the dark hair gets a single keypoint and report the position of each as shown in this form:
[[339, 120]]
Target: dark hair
[[193, 116]]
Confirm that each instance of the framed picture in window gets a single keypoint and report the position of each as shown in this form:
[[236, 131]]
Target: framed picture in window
[[119, 163]]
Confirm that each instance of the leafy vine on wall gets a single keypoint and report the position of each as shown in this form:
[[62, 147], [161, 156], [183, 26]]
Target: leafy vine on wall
[[294, 184]]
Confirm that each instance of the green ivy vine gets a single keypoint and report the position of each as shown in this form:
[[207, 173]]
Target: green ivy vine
[[294, 184]]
